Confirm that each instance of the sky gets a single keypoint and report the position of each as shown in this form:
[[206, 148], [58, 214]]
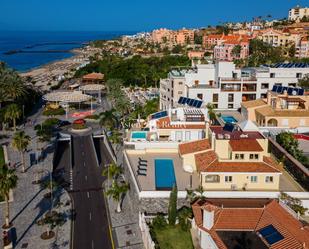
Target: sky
[[133, 15]]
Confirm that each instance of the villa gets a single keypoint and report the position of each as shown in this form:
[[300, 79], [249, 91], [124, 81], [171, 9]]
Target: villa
[[225, 86], [282, 108], [260, 223]]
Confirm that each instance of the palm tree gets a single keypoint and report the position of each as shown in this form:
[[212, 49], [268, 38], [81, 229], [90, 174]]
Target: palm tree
[[112, 171], [20, 143], [108, 119], [12, 112], [116, 192], [14, 87], [8, 181], [115, 137], [211, 113]]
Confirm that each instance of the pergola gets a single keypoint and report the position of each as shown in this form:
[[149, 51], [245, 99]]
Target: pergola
[[93, 88], [93, 78], [67, 97]]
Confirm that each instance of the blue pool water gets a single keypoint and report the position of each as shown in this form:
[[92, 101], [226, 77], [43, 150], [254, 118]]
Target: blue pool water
[[229, 119], [139, 135], [164, 174]]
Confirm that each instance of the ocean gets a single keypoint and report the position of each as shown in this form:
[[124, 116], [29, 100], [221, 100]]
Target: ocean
[[34, 45]]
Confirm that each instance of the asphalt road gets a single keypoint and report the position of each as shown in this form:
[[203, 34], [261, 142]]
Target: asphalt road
[[90, 227]]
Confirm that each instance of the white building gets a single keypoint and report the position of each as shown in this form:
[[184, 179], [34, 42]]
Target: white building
[[297, 13], [226, 86]]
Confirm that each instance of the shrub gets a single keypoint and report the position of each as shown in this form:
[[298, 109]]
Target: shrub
[[51, 122], [94, 116], [183, 214], [79, 126], [54, 112], [159, 222]]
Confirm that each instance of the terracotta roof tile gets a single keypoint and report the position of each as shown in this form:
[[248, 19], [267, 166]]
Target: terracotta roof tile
[[193, 147], [204, 159], [245, 145], [94, 76]]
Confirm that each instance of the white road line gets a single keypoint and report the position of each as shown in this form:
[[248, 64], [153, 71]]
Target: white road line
[[89, 216], [84, 164], [92, 244], [88, 194], [83, 153], [86, 178]]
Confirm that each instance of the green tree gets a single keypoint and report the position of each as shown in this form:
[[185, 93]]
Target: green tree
[[198, 39], [112, 171], [172, 207], [183, 215], [12, 112], [116, 192], [211, 113], [236, 51], [8, 181], [304, 82], [108, 119], [20, 143]]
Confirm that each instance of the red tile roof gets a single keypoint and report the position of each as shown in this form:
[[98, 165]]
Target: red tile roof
[[296, 235], [93, 76], [208, 162], [245, 145], [193, 147], [165, 123]]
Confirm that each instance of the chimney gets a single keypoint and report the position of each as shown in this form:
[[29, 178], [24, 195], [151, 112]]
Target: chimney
[[207, 129], [268, 98], [208, 218]]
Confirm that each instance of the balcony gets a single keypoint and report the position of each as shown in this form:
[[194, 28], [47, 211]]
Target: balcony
[[231, 87], [249, 87], [242, 79]]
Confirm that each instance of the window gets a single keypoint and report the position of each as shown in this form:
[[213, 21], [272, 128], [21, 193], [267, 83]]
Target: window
[[299, 75], [269, 179], [228, 178], [196, 82], [239, 156], [272, 75], [254, 156], [212, 178], [278, 84], [292, 84], [200, 96], [179, 92], [215, 97], [265, 86], [230, 106], [180, 83], [263, 95], [253, 178], [188, 135], [231, 97]]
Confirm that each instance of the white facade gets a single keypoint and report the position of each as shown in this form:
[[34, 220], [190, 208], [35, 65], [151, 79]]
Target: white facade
[[226, 87], [298, 13]]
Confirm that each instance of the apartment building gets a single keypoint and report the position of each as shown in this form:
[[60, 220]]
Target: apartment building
[[233, 158], [278, 38], [226, 86], [171, 37], [297, 13], [235, 223], [284, 108]]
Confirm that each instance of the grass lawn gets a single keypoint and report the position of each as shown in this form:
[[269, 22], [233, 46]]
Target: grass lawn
[[1, 156], [174, 238]]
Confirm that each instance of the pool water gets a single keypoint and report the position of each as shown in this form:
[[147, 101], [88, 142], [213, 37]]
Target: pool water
[[164, 174], [229, 119], [139, 135]]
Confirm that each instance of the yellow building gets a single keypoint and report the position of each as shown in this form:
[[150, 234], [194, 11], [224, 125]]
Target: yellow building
[[278, 38], [232, 160], [278, 110]]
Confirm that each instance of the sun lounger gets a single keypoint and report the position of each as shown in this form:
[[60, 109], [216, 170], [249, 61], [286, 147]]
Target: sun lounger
[[142, 164], [141, 173], [141, 167], [142, 160]]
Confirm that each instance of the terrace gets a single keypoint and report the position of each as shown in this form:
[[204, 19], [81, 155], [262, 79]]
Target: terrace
[[184, 179]]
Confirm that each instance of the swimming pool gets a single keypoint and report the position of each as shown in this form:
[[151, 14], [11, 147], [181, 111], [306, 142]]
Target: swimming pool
[[164, 174], [229, 119], [138, 135]]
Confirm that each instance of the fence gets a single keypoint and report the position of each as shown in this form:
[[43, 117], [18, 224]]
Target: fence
[[146, 237], [293, 166]]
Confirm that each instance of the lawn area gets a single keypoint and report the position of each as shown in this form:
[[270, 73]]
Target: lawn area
[[1, 156], [173, 238]]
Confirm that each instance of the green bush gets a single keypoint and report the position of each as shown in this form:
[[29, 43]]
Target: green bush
[[79, 126], [94, 116], [159, 222], [51, 122], [54, 112]]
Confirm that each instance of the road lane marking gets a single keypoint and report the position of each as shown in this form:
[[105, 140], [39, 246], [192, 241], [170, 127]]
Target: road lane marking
[[92, 244], [88, 194], [84, 164], [83, 153], [86, 178], [89, 216]]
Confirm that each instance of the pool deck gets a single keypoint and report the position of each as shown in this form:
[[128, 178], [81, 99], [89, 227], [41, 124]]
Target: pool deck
[[147, 183], [234, 114]]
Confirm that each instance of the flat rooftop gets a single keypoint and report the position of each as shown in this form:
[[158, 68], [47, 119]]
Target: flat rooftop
[[184, 180]]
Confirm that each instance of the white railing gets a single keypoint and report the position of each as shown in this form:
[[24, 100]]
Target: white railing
[[146, 237]]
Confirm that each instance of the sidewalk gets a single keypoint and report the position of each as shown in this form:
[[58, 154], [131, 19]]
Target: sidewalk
[[29, 204]]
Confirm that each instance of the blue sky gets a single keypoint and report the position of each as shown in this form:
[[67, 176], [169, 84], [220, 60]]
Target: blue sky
[[132, 15]]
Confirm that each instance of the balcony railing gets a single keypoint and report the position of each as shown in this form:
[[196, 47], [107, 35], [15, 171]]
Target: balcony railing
[[239, 79]]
